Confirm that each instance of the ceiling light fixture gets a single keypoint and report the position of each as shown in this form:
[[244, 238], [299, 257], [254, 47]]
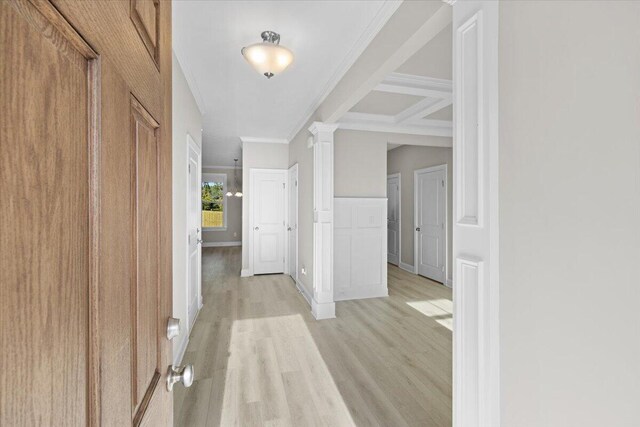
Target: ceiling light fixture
[[268, 57], [237, 189]]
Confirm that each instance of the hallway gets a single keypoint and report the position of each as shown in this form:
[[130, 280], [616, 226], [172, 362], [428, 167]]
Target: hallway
[[261, 358]]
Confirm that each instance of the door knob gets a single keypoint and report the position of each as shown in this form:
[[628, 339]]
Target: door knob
[[173, 328], [177, 374], [256, 228], [288, 228], [417, 228]]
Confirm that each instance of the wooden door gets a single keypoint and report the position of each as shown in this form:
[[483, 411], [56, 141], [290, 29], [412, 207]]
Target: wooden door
[[267, 213], [430, 205], [85, 218], [393, 219]]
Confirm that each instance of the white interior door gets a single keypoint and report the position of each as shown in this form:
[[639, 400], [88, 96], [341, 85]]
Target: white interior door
[[292, 226], [430, 232], [393, 219], [476, 354], [194, 299], [268, 220]]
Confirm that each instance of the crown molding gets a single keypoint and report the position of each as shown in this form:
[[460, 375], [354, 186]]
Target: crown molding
[[386, 11], [246, 139]]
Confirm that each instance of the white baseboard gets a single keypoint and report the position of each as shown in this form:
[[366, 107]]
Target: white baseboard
[[407, 267], [323, 311], [220, 244], [182, 348], [363, 294], [449, 283], [245, 272], [303, 291]]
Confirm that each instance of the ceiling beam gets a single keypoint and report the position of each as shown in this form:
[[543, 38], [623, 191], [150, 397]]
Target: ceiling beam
[[422, 109], [408, 84], [386, 123], [426, 142]]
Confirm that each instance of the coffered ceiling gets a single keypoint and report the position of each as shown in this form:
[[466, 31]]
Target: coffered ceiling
[[415, 99]]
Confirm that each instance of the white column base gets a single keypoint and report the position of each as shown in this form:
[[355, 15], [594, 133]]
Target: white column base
[[245, 272], [322, 311]]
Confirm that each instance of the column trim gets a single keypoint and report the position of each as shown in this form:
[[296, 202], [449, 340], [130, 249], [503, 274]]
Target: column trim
[[322, 304]]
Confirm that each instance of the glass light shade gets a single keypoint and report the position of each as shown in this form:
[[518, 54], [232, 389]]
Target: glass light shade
[[267, 58], [229, 194], [238, 194]]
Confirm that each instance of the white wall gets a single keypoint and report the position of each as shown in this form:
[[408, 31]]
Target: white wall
[[406, 160], [186, 119], [360, 164], [302, 155], [233, 233], [570, 213], [258, 156]]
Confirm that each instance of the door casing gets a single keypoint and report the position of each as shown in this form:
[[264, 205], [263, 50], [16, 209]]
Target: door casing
[[291, 203], [194, 216]]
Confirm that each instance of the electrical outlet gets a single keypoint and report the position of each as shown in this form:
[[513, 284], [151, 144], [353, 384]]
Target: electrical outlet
[[303, 271], [235, 234]]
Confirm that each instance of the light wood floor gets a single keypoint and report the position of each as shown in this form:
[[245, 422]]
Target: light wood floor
[[262, 360]]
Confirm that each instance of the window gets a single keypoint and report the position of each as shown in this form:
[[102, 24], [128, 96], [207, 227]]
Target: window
[[214, 200]]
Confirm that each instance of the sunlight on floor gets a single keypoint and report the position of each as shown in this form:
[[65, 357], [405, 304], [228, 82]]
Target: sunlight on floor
[[270, 359], [437, 309]]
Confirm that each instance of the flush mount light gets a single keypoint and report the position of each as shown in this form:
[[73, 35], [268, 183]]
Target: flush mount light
[[268, 57]]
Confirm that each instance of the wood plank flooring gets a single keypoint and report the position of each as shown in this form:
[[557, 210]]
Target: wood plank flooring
[[262, 360]]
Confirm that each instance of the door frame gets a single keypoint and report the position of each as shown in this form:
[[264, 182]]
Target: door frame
[[417, 172], [192, 144], [287, 201], [252, 174], [399, 176]]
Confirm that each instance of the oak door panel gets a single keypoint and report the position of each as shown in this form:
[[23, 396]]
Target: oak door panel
[[145, 15], [145, 316], [45, 239], [108, 28], [116, 265]]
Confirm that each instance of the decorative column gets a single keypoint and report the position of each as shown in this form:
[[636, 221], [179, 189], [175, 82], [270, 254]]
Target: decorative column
[[323, 305]]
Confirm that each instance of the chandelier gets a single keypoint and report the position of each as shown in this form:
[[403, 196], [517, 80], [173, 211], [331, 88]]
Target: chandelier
[[237, 191]]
